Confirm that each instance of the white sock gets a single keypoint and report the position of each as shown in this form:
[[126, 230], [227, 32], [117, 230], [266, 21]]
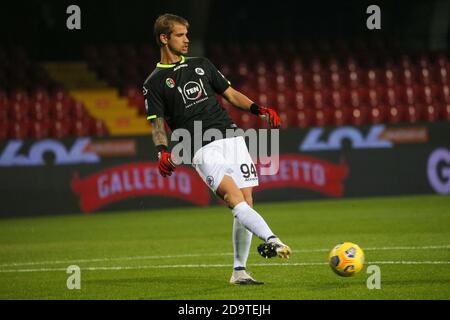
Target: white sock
[[242, 239], [251, 219]]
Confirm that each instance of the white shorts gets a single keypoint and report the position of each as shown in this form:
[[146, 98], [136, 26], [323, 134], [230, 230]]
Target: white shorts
[[222, 157]]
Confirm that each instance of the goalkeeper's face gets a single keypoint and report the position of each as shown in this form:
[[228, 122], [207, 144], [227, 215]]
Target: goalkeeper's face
[[178, 41]]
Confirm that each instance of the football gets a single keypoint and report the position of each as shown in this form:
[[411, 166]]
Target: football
[[346, 259]]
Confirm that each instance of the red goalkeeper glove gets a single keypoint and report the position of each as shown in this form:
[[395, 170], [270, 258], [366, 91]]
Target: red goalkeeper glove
[[271, 115], [165, 165]]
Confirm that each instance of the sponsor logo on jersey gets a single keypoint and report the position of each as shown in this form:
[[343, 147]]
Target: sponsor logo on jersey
[[180, 66], [199, 71], [192, 90], [170, 83]]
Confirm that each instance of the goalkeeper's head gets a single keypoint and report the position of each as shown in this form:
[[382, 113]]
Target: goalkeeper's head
[[171, 31]]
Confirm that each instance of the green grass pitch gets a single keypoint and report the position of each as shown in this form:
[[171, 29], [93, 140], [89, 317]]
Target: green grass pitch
[[187, 253]]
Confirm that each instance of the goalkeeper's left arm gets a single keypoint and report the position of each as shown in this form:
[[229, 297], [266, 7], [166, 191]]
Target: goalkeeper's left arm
[[241, 101]]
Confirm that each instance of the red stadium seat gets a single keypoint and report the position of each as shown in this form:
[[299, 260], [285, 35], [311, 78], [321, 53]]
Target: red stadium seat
[[98, 128], [297, 66], [281, 83], [431, 112], [4, 114], [243, 69], [340, 117], [60, 128], [442, 75], [78, 111], [20, 96], [354, 79], [390, 77], [395, 114], [336, 80], [39, 111], [322, 118], [81, 127], [19, 130], [372, 97], [407, 77], [335, 99], [413, 113], [317, 80], [391, 96], [409, 95], [19, 111], [333, 65], [444, 94], [318, 99], [261, 69], [4, 130], [377, 115], [300, 82], [354, 98], [60, 109], [425, 76], [59, 95], [446, 112], [282, 103], [359, 116], [427, 94], [352, 64], [40, 95], [247, 120], [303, 118], [39, 129], [373, 78], [267, 98], [301, 100], [286, 118]]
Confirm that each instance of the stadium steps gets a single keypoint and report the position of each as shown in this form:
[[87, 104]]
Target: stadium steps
[[101, 101]]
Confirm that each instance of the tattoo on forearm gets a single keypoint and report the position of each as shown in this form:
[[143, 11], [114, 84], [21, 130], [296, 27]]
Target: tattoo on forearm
[[159, 134]]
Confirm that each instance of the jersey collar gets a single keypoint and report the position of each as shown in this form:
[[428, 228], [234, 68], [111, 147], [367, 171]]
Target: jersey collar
[[162, 65]]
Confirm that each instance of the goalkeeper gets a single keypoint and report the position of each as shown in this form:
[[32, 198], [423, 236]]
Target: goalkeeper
[[182, 90]]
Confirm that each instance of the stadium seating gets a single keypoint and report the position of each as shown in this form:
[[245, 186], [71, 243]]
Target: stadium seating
[[310, 83], [39, 129], [32, 105], [359, 85]]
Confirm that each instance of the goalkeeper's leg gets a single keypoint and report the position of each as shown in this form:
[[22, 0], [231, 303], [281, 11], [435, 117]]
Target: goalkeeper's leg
[[251, 220]]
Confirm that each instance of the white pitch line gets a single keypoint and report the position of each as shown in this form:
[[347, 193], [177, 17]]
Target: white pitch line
[[199, 266], [13, 264], [18, 264]]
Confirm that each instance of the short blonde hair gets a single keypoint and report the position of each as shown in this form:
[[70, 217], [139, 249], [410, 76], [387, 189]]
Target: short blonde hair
[[164, 25]]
